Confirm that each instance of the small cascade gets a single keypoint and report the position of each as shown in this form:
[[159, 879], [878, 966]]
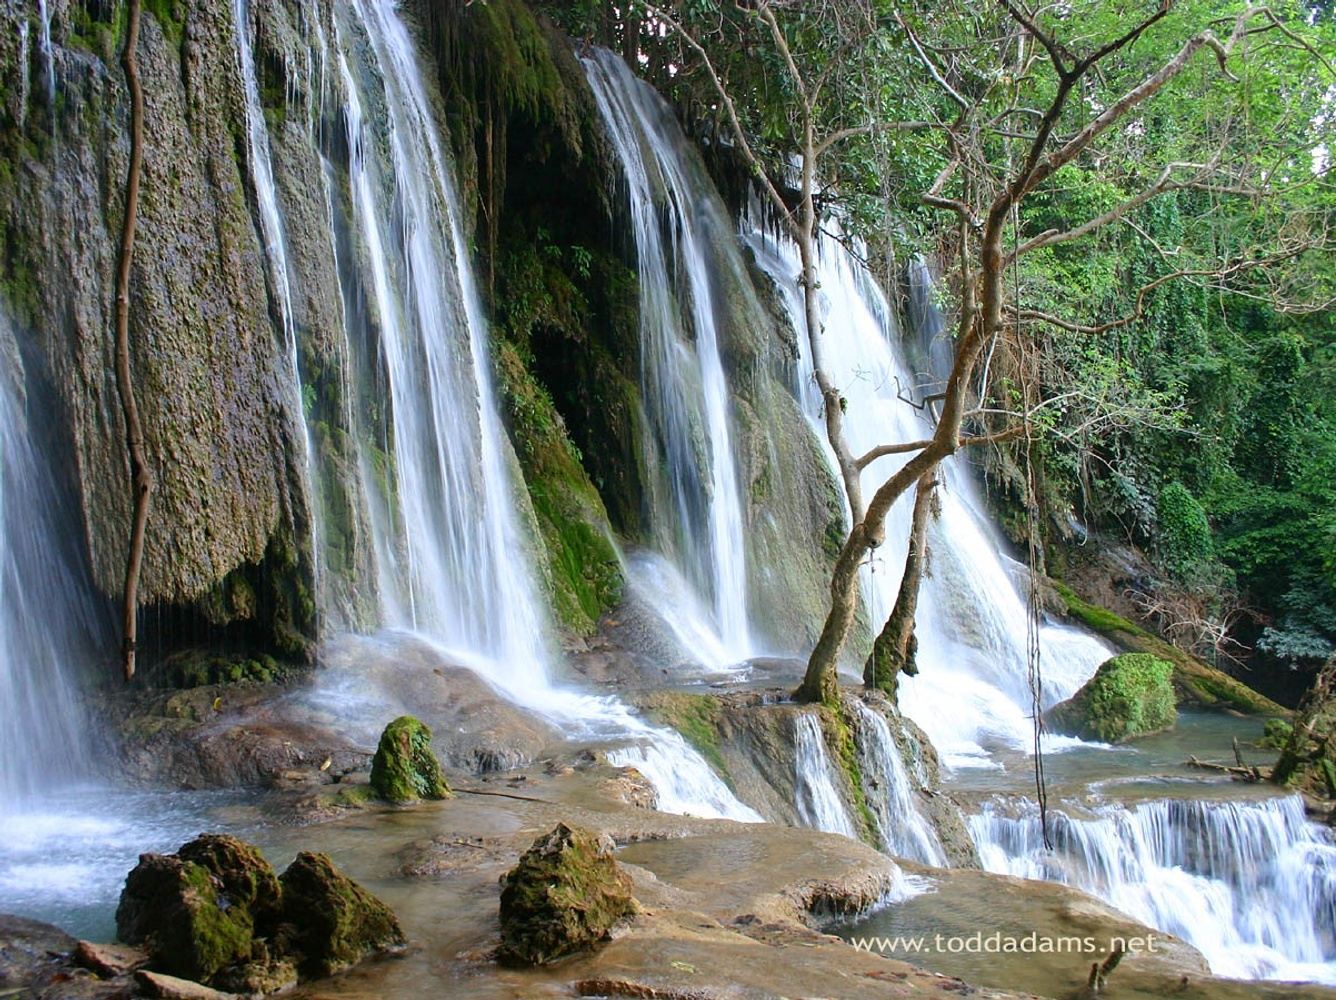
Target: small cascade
[[700, 522], [972, 690], [819, 804], [684, 783], [276, 254], [47, 50], [904, 831], [1250, 884], [50, 627]]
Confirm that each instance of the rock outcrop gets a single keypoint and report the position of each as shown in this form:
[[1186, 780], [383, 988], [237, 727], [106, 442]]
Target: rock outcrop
[[404, 768], [1130, 695], [564, 896], [216, 913]]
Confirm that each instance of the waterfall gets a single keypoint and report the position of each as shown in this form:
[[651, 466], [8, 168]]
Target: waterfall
[[819, 804], [49, 625], [684, 783], [1250, 884], [682, 375], [904, 831], [276, 254], [972, 690], [452, 561]]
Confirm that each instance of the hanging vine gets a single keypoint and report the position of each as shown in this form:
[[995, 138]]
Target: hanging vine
[[141, 482]]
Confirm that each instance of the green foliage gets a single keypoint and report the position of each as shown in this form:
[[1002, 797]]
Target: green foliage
[[1277, 734], [1183, 535], [1129, 696]]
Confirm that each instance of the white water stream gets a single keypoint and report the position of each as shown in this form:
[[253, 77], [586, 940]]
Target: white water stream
[[971, 692], [1250, 884], [682, 376]]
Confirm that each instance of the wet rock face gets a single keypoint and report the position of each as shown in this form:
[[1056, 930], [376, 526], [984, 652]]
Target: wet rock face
[[215, 912], [1130, 695], [331, 922], [564, 896], [404, 768]]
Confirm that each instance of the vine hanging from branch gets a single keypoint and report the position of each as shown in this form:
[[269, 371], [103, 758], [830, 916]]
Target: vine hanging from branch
[[141, 482]]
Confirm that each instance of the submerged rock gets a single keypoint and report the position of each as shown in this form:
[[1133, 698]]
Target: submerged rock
[[1130, 695], [564, 896], [404, 768], [331, 922]]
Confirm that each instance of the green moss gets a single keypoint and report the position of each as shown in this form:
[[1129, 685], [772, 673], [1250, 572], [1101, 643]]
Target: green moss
[[1195, 681], [405, 769], [1277, 733], [696, 717], [1130, 695], [171, 16], [176, 909], [193, 668], [840, 738], [584, 572], [334, 923], [564, 896]]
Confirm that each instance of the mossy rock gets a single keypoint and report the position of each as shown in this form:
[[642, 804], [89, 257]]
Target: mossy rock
[[1130, 695], [563, 897], [329, 921], [196, 911], [404, 768], [1196, 682]]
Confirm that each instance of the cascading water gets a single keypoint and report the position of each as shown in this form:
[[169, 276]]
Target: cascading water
[[686, 395], [819, 804], [452, 562], [47, 50], [972, 690], [276, 254], [1251, 884], [904, 831], [49, 626], [456, 567]]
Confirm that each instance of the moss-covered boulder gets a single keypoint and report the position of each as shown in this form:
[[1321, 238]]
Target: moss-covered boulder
[[564, 896], [1307, 759], [215, 912], [196, 911], [404, 768], [1130, 695], [329, 921], [1196, 682]]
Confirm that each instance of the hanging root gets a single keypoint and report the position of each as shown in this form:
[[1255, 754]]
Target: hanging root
[[141, 481]]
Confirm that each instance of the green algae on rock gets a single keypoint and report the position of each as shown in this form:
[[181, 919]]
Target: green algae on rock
[[216, 913], [564, 896], [404, 768], [329, 921], [1130, 695], [195, 912]]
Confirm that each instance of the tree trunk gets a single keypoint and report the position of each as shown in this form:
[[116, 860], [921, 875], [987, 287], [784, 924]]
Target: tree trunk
[[894, 650], [140, 479], [977, 328]]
